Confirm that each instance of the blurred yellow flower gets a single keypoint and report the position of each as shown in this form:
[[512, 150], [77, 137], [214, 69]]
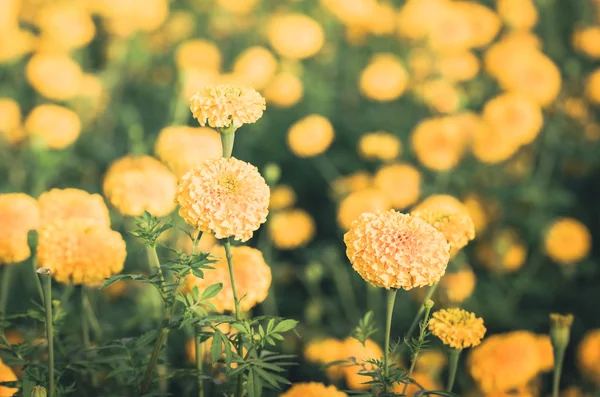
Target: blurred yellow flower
[[52, 126], [592, 87], [394, 250], [226, 197], [484, 23], [134, 184], [518, 14], [491, 146], [400, 182], [588, 356], [7, 375], [458, 67], [360, 353], [431, 361], [295, 36], [182, 148], [439, 143], [238, 6], [353, 13], [326, 351], [354, 182], [587, 41], [227, 105], [191, 79], [441, 202], [456, 226], [15, 43], [252, 278], [284, 90], [457, 287], [64, 26], [19, 213], [504, 252], [71, 203], [291, 229], [514, 116], [10, 121], [476, 207], [255, 66], [379, 145], [198, 54], [545, 352], [451, 30], [425, 380], [457, 328], [80, 251], [442, 95], [415, 18], [359, 202], [567, 241], [124, 18], [55, 76], [282, 197], [310, 136], [421, 64], [312, 389], [510, 45], [384, 79]]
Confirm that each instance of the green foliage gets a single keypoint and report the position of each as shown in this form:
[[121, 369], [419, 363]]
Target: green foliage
[[149, 228], [365, 329]]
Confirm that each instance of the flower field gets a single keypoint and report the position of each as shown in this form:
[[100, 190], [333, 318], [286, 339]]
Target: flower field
[[299, 198]]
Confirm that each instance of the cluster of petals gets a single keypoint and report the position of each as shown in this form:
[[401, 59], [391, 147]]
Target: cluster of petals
[[457, 328], [19, 213], [457, 227], [71, 203]]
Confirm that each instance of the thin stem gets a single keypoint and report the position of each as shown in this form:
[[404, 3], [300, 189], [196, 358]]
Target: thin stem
[[236, 302], [343, 284], [199, 362], [422, 335], [46, 281], [85, 326], [91, 315], [417, 318], [227, 139], [5, 288], [391, 299], [197, 241], [454, 355], [38, 284], [559, 355]]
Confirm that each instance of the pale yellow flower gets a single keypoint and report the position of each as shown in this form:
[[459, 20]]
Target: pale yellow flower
[[226, 105], [52, 126], [19, 213], [295, 36], [55, 76], [291, 229], [310, 136], [71, 203], [400, 182], [379, 145]]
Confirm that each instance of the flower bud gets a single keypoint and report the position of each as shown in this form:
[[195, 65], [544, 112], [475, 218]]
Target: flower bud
[[560, 330], [38, 391], [314, 272], [272, 173], [428, 304]]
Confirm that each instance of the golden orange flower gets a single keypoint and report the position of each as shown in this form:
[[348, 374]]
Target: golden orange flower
[[457, 287], [282, 197], [441, 202], [295, 36], [226, 197], [588, 356], [441, 95], [252, 278], [312, 389], [19, 213], [567, 241], [491, 146], [285, 90], [456, 226], [7, 375], [518, 14], [416, 17], [10, 121], [400, 182], [384, 79], [484, 23], [358, 352], [354, 182], [379, 145], [15, 43], [238, 6], [310, 136], [504, 252], [226, 105], [64, 26], [255, 66], [462, 66], [71, 203], [510, 45], [586, 40], [514, 116], [439, 143], [55, 76], [457, 328], [291, 229], [198, 54], [182, 148], [592, 87], [137, 184], [80, 251], [360, 201], [326, 351], [394, 250], [53, 126]]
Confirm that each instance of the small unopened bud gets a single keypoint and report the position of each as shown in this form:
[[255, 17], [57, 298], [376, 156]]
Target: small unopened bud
[[272, 174], [44, 271], [38, 391], [314, 272], [314, 311], [428, 304], [560, 330]]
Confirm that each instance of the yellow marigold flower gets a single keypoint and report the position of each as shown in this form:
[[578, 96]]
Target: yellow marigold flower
[[134, 184], [457, 328], [400, 182], [64, 26], [458, 67], [327, 351], [382, 20], [439, 143], [291, 229], [282, 197], [379, 145], [198, 54], [567, 241], [255, 66], [55, 76], [123, 19], [384, 79], [53, 126], [421, 64], [451, 30], [484, 23], [431, 362], [354, 13], [511, 45], [587, 41], [355, 350], [310, 136], [518, 14], [238, 6], [588, 356], [441, 95], [354, 182], [477, 211], [395, 250], [416, 17], [182, 148], [7, 375], [227, 197], [285, 90], [312, 389], [441, 202], [360, 201], [252, 277], [505, 361], [491, 146], [592, 87], [515, 116], [15, 43], [506, 252], [80, 251], [225, 105], [295, 36], [457, 287], [10, 121], [70, 203], [19, 214], [456, 226]]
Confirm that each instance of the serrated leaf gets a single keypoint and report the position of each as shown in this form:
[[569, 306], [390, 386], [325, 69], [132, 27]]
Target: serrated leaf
[[146, 338], [285, 325], [267, 377], [254, 384]]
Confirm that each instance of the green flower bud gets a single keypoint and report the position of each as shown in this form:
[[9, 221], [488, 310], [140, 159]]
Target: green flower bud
[[38, 391]]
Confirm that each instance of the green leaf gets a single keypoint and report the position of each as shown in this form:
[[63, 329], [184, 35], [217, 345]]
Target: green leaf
[[266, 376], [215, 347], [285, 325], [254, 384], [119, 371], [119, 277], [146, 338], [212, 291]]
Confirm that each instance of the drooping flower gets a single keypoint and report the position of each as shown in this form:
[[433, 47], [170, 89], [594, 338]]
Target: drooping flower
[[457, 227], [457, 328], [567, 241], [312, 389], [53, 126], [290, 229], [19, 213], [588, 356], [310, 136], [225, 105], [394, 250], [71, 203], [227, 197]]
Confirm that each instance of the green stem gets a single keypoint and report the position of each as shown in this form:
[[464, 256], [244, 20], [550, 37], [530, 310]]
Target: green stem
[[38, 284], [236, 302], [46, 281], [199, 363], [559, 355], [391, 299], [91, 315], [180, 106], [415, 356], [454, 355], [85, 326], [227, 139], [343, 284], [327, 168], [5, 288], [417, 318]]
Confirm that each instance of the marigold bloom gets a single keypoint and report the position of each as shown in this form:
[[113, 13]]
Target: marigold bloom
[[123, 19], [518, 14], [71, 203], [312, 389], [441, 202], [64, 26], [514, 116], [310, 136], [285, 90], [227, 197], [442, 95], [225, 105], [484, 23], [355, 350], [295, 36], [567, 241], [19, 213], [587, 41], [431, 362], [462, 66], [80, 251], [137, 184], [379, 145], [394, 250], [255, 66], [326, 351], [182, 148], [416, 17], [15, 43], [10, 121], [198, 54], [457, 328], [439, 143], [592, 87], [400, 182], [588, 356], [7, 375], [491, 146], [252, 277], [55, 76], [290, 229], [384, 79], [510, 46], [53, 126], [282, 197], [456, 226], [457, 287], [360, 201]]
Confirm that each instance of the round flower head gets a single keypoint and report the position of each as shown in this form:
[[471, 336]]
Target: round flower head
[[64, 204], [226, 197], [224, 105], [282, 197], [53, 126], [137, 184], [384, 79], [354, 350], [7, 375], [395, 250], [252, 276], [295, 36], [312, 389], [80, 251], [457, 287], [439, 143], [10, 121], [55, 76], [310, 136], [198, 54], [326, 351], [356, 203], [255, 66], [285, 90], [19, 214], [290, 229], [567, 241], [457, 227], [379, 146], [457, 328], [588, 356], [400, 182]]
